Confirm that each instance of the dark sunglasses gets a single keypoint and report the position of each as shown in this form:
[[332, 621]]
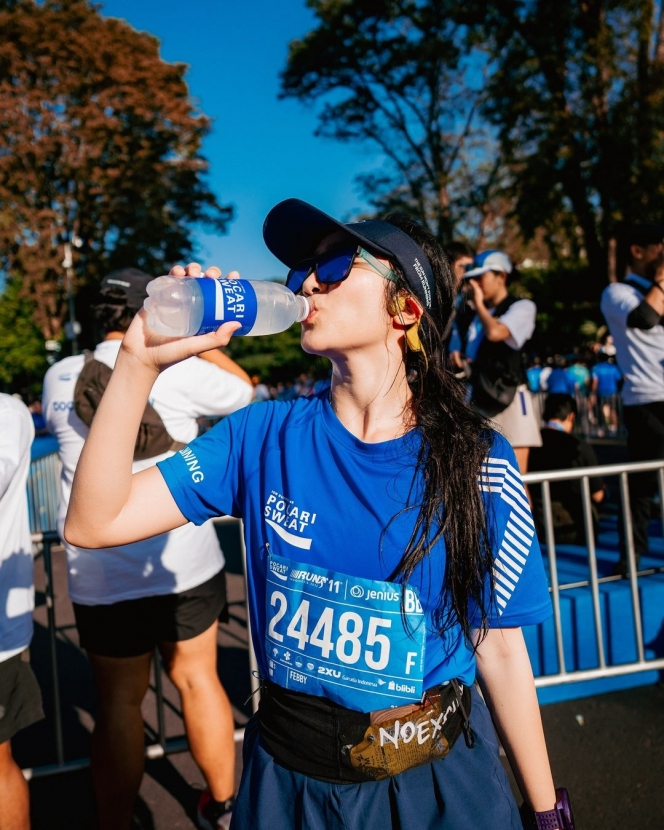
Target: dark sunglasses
[[334, 266]]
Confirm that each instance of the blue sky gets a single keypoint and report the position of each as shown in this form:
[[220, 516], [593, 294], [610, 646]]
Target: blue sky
[[261, 150]]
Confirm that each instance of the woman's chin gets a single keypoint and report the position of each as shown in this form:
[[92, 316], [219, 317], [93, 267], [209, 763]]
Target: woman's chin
[[313, 343]]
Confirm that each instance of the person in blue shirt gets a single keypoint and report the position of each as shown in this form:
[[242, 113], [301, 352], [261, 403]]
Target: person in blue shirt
[[391, 552], [533, 373], [606, 376], [559, 382], [580, 375], [606, 380]]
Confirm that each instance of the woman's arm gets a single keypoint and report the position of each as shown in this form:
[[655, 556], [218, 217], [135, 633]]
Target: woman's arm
[[494, 330], [109, 505], [506, 679]]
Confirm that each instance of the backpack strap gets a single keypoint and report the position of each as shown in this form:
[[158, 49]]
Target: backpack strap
[[153, 438]]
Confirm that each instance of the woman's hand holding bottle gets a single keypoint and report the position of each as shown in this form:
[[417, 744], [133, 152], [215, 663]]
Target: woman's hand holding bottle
[[156, 351]]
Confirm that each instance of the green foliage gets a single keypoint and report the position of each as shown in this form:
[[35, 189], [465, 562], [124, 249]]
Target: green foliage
[[577, 99], [396, 74], [547, 117], [22, 356], [98, 138], [276, 357], [567, 309]]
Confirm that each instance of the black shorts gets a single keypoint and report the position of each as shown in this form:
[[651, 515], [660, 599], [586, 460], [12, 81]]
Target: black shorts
[[137, 626], [20, 696]]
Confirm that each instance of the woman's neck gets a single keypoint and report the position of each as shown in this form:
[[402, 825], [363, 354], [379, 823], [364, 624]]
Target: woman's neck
[[372, 398]]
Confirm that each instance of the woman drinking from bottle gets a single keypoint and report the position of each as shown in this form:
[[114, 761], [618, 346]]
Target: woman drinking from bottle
[[391, 554]]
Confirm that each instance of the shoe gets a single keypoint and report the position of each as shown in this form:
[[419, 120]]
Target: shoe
[[214, 815]]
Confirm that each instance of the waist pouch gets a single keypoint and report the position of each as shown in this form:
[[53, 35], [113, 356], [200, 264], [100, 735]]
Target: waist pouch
[[320, 738]]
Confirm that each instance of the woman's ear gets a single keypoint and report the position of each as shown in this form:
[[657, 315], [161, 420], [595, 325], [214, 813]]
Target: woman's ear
[[405, 308]]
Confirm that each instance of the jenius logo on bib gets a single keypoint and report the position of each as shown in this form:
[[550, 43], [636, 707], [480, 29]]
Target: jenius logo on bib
[[343, 637]]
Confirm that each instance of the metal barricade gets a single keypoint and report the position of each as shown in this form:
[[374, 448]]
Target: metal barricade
[[603, 669], [43, 488], [43, 544]]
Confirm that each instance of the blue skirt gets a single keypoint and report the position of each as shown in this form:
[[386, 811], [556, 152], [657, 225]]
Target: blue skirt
[[467, 790]]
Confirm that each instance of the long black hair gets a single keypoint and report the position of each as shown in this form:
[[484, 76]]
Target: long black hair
[[456, 441]]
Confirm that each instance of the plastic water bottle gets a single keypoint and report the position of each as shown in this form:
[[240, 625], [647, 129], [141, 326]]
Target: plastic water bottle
[[181, 307]]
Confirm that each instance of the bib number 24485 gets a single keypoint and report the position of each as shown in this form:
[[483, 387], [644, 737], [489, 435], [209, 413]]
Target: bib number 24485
[[344, 637]]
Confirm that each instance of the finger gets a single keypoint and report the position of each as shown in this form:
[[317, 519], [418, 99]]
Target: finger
[[193, 269], [216, 339], [233, 275], [213, 272], [177, 271]]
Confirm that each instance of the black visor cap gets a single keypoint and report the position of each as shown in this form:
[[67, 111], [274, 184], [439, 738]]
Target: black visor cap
[[294, 229]]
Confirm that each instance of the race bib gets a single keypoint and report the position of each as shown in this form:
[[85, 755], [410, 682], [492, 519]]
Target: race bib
[[343, 637]]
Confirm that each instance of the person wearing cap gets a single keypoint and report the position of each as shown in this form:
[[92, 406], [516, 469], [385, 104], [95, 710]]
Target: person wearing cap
[[391, 552], [494, 347], [166, 592], [633, 311]]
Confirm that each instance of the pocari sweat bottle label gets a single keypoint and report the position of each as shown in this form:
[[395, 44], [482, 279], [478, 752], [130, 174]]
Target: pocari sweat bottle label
[[227, 301]]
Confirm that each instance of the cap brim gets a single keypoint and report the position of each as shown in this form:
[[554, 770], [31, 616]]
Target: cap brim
[[294, 229], [476, 272]]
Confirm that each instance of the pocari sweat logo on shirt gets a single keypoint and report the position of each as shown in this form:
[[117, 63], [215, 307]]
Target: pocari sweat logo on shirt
[[288, 520]]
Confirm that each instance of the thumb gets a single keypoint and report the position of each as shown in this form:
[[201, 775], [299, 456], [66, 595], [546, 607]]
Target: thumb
[[217, 339]]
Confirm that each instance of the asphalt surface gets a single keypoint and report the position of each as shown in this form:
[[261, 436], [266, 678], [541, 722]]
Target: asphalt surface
[[607, 750]]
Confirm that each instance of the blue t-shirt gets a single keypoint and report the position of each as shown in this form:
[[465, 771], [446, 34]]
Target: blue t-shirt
[[559, 382], [608, 377], [533, 375], [580, 377], [318, 504]]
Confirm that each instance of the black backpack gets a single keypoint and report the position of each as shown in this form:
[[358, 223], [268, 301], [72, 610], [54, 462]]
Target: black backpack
[[153, 437], [497, 371]]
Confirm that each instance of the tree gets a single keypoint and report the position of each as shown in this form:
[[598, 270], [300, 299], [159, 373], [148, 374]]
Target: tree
[[21, 343], [577, 98], [99, 140], [396, 73]]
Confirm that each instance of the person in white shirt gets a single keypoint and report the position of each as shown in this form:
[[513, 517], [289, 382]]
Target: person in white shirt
[[20, 698], [166, 592], [634, 311], [494, 344]]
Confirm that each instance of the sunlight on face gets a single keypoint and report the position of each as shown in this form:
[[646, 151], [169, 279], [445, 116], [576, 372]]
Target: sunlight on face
[[492, 284], [347, 316]]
